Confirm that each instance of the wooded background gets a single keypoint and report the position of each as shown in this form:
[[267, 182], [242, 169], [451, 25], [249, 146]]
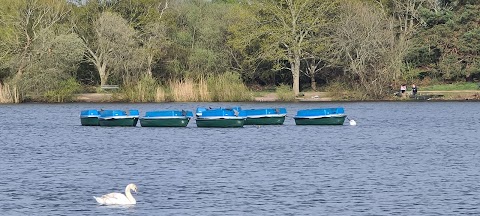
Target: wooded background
[[52, 46]]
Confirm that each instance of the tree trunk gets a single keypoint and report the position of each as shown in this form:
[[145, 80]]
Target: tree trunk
[[16, 97], [16, 94], [296, 74], [149, 66], [102, 71], [313, 82]]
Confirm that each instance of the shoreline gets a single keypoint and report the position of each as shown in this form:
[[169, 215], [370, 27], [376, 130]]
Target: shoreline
[[459, 95]]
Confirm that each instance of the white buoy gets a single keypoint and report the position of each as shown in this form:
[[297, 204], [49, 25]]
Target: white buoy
[[353, 122]]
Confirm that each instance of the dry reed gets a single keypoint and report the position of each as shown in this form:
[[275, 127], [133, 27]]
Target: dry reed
[[223, 87], [160, 95], [5, 94], [183, 90], [203, 93]]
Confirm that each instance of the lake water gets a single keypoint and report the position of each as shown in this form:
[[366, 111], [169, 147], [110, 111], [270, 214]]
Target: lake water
[[419, 158]]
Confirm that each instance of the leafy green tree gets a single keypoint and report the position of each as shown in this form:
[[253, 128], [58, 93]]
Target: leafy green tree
[[54, 59], [318, 47], [197, 38], [284, 28], [8, 33], [244, 44], [25, 22], [447, 45]]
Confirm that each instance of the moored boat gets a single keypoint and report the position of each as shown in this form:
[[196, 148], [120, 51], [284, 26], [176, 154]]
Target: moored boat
[[200, 110], [166, 118], [326, 116], [270, 116], [223, 117], [89, 117], [118, 118]]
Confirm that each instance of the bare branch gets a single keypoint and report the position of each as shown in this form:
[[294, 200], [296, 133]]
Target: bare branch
[[163, 9]]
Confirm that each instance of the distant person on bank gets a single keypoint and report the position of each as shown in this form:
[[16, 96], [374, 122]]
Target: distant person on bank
[[414, 90], [403, 88]]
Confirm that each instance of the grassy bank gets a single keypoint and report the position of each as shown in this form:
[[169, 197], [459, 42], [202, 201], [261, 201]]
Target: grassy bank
[[225, 88], [452, 87], [264, 96]]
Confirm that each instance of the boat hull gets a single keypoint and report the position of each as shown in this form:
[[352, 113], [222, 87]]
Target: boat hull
[[165, 122], [265, 121], [222, 123], [89, 121], [339, 120], [118, 122]]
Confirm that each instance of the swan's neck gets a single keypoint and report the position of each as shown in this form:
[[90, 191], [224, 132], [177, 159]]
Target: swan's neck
[[129, 196]]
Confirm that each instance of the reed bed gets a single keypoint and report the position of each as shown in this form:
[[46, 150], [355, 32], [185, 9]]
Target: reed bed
[[183, 90], [203, 93], [224, 87], [160, 95], [145, 90]]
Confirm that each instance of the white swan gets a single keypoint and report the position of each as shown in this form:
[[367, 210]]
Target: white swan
[[118, 198]]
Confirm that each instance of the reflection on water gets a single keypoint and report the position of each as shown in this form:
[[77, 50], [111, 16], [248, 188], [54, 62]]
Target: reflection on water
[[401, 158]]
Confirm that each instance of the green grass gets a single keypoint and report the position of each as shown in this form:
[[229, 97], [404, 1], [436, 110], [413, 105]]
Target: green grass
[[450, 87]]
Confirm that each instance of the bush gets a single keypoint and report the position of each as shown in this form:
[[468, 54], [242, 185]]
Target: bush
[[285, 93], [64, 92]]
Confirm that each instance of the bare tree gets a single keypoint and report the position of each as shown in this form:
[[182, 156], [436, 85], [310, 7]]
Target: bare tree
[[113, 46], [36, 16], [366, 43]]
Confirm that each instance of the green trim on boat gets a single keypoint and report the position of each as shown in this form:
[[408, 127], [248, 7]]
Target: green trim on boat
[[91, 121], [123, 122], [265, 121], [321, 121], [223, 123], [164, 122]]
